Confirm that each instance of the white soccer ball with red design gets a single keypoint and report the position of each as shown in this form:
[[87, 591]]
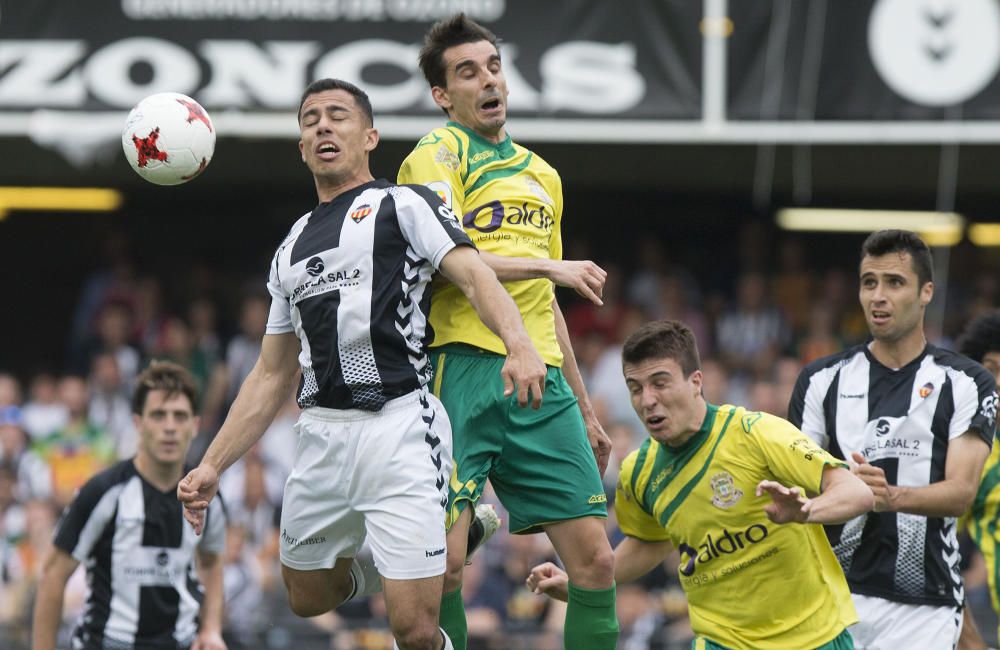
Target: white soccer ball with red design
[[168, 138]]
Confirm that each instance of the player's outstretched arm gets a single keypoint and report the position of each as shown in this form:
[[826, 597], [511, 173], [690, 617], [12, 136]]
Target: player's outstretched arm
[[634, 558], [951, 497], [582, 276], [59, 566], [523, 370], [263, 392], [843, 497], [600, 443]]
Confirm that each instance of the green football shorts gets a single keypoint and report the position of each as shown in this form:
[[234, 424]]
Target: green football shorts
[[539, 462]]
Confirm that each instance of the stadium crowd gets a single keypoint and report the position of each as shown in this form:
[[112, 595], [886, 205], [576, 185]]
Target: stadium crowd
[[60, 425]]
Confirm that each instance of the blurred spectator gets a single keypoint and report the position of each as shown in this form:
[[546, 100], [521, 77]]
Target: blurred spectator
[[113, 282], [241, 355], [607, 388], [79, 449], [31, 474], [109, 408], [43, 413], [753, 332], [764, 397], [10, 390], [793, 284], [820, 339], [148, 313], [675, 302], [203, 319], [715, 383], [177, 343], [113, 329], [585, 318], [645, 285]]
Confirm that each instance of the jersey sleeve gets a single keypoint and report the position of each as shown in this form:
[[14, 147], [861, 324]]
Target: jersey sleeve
[[428, 224], [633, 520], [213, 538], [555, 242], [805, 410], [86, 518], [279, 319], [436, 162], [975, 394], [792, 457]]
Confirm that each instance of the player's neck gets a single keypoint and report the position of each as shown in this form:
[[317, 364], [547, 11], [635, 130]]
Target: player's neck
[[495, 138], [898, 353], [694, 424], [162, 476], [329, 189]]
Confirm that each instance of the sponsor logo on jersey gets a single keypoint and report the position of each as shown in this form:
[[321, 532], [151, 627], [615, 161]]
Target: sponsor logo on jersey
[[360, 213], [926, 389], [989, 408], [314, 266], [852, 395], [598, 498], [882, 428], [725, 543], [725, 494], [447, 158], [497, 214], [482, 155], [435, 552]]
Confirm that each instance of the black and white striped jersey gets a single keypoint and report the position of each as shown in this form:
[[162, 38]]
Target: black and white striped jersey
[[352, 280], [139, 554], [902, 421]]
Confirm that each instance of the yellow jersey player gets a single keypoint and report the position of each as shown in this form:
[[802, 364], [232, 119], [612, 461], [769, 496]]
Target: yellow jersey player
[[545, 464], [741, 496], [981, 343]]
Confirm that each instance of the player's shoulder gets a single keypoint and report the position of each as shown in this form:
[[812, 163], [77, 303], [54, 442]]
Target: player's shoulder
[[760, 423], [103, 482], [415, 192], [294, 231], [449, 136], [959, 363], [833, 362]]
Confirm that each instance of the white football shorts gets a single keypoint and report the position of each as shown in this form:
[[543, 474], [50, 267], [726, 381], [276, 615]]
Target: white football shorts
[[382, 474], [888, 625]]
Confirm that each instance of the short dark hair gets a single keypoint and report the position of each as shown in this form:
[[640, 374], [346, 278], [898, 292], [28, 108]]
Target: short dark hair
[[168, 377], [663, 339], [883, 242], [322, 85], [981, 336], [449, 32]]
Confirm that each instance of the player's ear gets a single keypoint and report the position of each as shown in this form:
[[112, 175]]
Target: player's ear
[[302, 150], [696, 381], [371, 139], [926, 293], [440, 96]]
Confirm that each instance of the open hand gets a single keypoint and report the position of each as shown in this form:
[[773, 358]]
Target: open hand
[[788, 504]]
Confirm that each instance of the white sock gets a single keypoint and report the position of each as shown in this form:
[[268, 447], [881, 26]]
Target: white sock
[[365, 574], [447, 642]]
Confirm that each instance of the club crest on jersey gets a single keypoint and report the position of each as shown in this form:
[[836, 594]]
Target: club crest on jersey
[[926, 389], [724, 491], [447, 158], [361, 213]]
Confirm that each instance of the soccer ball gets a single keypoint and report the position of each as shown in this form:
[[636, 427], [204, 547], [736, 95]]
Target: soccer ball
[[168, 138]]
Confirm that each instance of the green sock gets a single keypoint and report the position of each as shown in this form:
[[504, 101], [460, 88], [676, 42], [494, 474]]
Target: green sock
[[453, 619], [591, 623]]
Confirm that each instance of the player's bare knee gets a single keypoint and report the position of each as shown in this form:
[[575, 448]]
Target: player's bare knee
[[453, 573], [594, 568], [307, 605], [420, 635]]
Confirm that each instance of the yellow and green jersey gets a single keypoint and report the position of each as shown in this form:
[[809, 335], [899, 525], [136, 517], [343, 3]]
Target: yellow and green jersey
[[750, 583], [983, 520], [510, 203]]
